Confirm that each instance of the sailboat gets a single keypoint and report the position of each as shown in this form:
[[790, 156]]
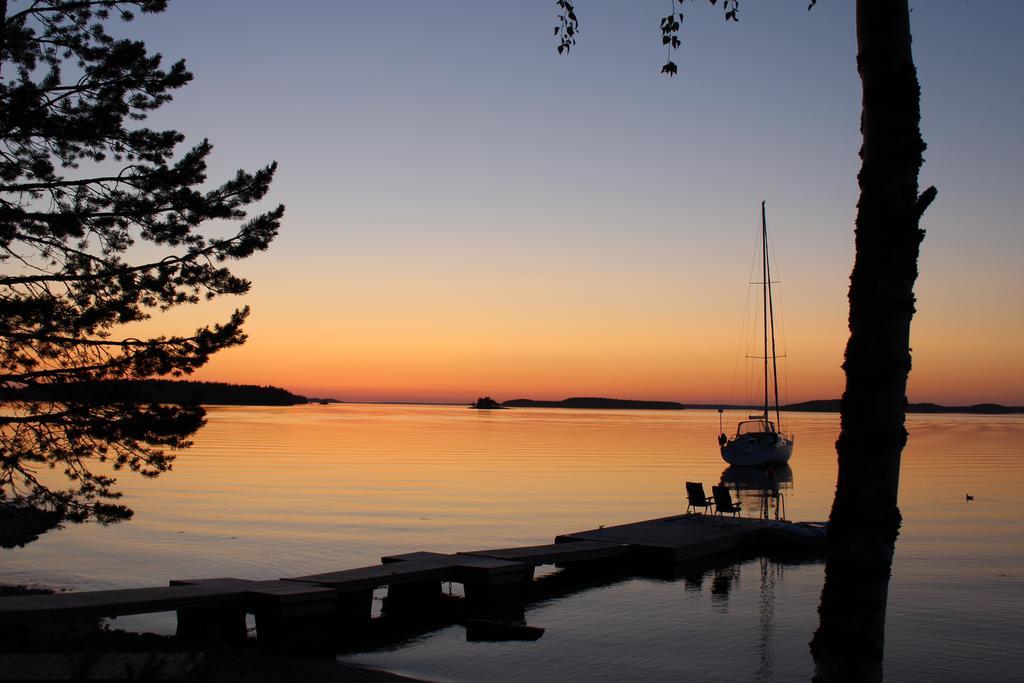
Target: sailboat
[[758, 440]]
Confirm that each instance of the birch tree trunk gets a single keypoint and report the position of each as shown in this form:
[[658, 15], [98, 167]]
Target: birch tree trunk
[[865, 517]]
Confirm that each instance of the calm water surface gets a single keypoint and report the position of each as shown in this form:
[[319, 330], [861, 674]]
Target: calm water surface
[[272, 492]]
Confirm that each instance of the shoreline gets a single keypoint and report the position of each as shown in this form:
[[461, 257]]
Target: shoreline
[[912, 409]]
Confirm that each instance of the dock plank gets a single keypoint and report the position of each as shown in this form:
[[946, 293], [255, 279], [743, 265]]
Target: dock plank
[[364, 578], [679, 538], [464, 569], [109, 603], [461, 562], [279, 590], [557, 553]]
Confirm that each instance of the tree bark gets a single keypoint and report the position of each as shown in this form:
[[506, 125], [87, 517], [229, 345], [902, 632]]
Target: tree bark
[[865, 517], [3, 31]]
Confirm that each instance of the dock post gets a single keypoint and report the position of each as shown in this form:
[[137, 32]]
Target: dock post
[[303, 627], [352, 613], [211, 626], [499, 595], [409, 598]]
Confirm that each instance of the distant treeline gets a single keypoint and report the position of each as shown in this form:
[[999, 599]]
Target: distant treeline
[[587, 402], [818, 406], [831, 405], [157, 391]]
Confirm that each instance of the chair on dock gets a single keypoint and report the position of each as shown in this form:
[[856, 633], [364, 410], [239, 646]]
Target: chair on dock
[[724, 501], [696, 498]]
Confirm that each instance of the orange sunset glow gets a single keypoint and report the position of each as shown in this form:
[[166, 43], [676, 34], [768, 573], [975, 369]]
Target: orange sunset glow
[[440, 340], [446, 238]]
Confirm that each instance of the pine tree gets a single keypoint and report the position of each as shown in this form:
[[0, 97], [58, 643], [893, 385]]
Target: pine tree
[[88, 195]]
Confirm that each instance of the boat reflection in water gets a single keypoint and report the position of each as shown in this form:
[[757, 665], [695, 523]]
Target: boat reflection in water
[[761, 488]]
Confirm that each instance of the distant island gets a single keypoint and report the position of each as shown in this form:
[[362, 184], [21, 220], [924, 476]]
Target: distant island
[[486, 403], [831, 405], [591, 403], [180, 392], [817, 406]]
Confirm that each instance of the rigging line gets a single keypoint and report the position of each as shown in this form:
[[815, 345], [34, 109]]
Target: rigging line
[[774, 263], [742, 343], [782, 329], [785, 365], [752, 340], [748, 340]]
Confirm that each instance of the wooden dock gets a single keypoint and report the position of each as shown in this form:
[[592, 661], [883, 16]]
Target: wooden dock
[[320, 608], [683, 538]]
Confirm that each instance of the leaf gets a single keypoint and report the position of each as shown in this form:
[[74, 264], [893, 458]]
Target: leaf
[[670, 68]]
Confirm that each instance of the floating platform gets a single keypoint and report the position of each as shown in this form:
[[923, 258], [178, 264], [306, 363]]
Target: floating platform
[[682, 538]]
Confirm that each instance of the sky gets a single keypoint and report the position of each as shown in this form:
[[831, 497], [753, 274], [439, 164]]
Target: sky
[[470, 213]]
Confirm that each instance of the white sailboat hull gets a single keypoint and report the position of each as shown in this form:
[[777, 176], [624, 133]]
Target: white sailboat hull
[[753, 450]]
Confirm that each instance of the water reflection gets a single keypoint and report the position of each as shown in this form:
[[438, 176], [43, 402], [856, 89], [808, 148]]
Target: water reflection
[[722, 583], [771, 573], [761, 488], [725, 579], [626, 613], [271, 492]]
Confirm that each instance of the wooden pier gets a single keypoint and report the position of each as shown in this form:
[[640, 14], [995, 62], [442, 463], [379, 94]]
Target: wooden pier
[[317, 610]]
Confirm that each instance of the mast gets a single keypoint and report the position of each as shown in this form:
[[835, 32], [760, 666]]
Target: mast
[[764, 297], [771, 317]]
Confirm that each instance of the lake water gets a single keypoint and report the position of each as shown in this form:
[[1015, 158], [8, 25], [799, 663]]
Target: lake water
[[272, 492]]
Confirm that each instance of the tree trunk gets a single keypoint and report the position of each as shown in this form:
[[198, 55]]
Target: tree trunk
[[3, 31], [865, 518]]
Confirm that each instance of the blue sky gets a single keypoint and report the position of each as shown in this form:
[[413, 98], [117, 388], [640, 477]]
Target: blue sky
[[426, 148]]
